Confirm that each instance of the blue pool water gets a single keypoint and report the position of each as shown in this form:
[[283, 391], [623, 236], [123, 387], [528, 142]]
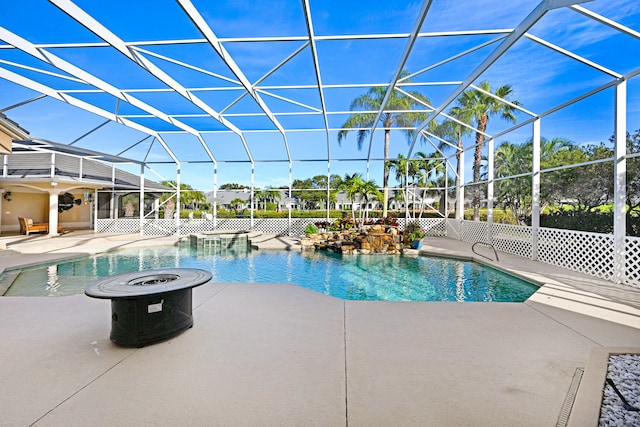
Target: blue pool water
[[373, 278]]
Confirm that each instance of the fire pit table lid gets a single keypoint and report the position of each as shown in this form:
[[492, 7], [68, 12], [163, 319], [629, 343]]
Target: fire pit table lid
[[148, 282]]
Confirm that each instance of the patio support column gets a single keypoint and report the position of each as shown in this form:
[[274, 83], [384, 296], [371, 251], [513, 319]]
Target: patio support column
[[53, 210], [94, 205], [460, 188], [253, 180], [406, 192], [328, 188], [535, 189], [620, 183], [215, 196], [115, 202], [490, 179], [141, 200], [178, 199], [446, 191], [289, 198], [114, 197]]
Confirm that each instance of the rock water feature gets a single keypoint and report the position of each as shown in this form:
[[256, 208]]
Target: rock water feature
[[370, 239]]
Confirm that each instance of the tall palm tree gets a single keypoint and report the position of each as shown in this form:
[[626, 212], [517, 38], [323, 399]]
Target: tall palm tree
[[396, 113], [480, 107]]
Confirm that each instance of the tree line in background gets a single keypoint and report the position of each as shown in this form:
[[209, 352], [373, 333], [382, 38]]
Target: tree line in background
[[572, 198], [576, 198]]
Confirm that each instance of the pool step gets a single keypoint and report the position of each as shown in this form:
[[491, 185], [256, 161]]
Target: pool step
[[7, 279], [221, 241]]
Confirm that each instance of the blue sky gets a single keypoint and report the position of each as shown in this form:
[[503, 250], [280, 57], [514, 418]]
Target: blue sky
[[541, 78]]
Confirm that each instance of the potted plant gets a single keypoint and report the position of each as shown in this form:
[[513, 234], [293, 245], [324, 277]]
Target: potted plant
[[414, 235], [416, 239]]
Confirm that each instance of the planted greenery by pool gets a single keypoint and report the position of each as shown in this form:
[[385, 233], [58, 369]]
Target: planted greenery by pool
[[373, 278]]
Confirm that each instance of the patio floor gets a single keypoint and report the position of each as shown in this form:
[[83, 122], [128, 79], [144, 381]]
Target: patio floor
[[283, 355]]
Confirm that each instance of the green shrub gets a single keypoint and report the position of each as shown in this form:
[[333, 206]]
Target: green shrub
[[311, 229]]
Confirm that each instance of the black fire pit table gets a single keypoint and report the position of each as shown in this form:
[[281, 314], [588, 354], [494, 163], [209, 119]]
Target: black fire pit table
[[149, 306]]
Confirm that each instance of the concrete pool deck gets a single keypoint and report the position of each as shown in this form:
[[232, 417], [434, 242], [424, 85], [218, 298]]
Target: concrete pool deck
[[284, 355]]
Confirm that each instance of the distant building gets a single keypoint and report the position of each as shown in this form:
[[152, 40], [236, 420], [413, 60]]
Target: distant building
[[224, 198]]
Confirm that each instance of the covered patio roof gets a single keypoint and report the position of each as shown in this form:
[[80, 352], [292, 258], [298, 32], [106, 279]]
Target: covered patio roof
[[228, 82]]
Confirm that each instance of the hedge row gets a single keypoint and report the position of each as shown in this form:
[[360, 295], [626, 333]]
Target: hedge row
[[592, 221]]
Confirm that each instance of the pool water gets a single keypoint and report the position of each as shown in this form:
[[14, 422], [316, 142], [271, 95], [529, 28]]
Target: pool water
[[372, 278]]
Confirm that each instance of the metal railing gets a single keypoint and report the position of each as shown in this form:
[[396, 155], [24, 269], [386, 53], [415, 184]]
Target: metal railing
[[473, 248]]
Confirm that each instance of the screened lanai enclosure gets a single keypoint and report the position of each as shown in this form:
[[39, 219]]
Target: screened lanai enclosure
[[511, 123]]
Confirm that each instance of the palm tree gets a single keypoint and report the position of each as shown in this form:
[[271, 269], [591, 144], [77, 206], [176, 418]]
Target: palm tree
[[188, 195], [429, 169], [516, 159], [514, 193], [198, 199], [259, 197], [480, 107], [265, 196], [237, 204], [551, 147], [456, 130], [399, 166], [414, 172], [365, 189], [396, 112], [512, 159], [271, 195], [351, 184]]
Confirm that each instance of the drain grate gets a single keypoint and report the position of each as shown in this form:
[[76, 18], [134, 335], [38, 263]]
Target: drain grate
[[563, 419]]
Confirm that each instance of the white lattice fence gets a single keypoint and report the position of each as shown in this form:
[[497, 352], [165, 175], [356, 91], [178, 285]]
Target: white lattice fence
[[234, 224], [453, 229], [434, 226], [298, 225], [192, 226], [472, 231], [513, 239], [272, 225], [431, 226], [588, 253], [122, 225], [159, 227], [632, 267]]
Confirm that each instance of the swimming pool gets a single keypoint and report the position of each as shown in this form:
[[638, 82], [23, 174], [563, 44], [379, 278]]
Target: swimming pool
[[373, 278]]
